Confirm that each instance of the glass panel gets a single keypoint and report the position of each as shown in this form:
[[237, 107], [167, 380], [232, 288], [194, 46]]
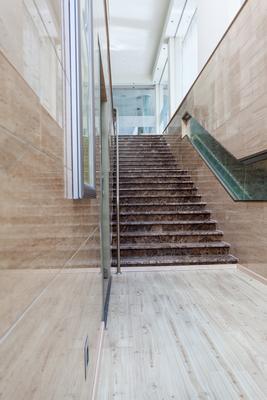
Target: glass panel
[[135, 110], [86, 94], [243, 182], [41, 54], [164, 98]]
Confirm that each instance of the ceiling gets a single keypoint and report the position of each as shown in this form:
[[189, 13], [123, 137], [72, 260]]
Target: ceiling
[[135, 31]]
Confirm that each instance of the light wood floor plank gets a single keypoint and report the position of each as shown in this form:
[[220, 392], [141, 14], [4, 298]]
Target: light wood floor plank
[[185, 335]]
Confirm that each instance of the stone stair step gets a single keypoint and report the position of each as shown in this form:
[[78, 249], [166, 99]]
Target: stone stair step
[[158, 207], [169, 237], [153, 170], [141, 180], [171, 249], [164, 215], [153, 177], [163, 200], [155, 186], [157, 192], [164, 226], [175, 261], [150, 174]]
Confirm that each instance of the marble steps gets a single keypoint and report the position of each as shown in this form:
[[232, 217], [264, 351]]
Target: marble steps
[[202, 215], [163, 220], [191, 191], [172, 249], [147, 163], [175, 261], [156, 185], [146, 152], [156, 199], [169, 237], [153, 175], [148, 171], [151, 155], [141, 207], [141, 180], [145, 172], [164, 226]]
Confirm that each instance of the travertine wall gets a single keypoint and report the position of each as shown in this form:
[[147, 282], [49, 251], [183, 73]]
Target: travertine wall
[[39, 228], [50, 300], [244, 223], [229, 98]]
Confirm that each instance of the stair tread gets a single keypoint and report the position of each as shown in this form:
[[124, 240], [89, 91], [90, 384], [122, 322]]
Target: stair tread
[[156, 189], [178, 260], [187, 222], [182, 212], [171, 233], [166, 205], [166, 245]]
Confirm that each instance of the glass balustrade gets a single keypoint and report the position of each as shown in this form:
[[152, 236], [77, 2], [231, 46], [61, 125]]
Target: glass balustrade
[[242, 181]]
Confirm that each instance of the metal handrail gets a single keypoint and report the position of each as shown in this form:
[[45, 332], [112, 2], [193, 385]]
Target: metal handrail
[[118, 199]]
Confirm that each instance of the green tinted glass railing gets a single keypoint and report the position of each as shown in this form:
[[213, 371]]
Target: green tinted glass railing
[[243, 182]]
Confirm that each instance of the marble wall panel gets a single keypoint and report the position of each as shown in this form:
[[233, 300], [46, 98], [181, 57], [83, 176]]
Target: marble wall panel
[[39, 227], [244, 223], [229, 97]]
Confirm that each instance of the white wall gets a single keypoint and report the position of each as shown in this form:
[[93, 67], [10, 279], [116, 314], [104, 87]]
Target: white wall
[[214, 17], [190, 56]]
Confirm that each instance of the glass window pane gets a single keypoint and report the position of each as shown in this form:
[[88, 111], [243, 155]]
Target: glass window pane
[[86, 94], [164, 98], [135, 110]]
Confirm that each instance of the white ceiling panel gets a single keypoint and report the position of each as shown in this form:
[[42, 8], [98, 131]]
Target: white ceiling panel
[[135, 31]]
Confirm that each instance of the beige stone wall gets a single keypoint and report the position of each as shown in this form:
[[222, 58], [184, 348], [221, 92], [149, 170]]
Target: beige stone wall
[[244, 223], [50, 296], [39, 228], [229, 98]]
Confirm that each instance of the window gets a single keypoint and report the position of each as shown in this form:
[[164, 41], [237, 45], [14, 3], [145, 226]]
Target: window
[[135, 110], [79, 94], [164, 98]]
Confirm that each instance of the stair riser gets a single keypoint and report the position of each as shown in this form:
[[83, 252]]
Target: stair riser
[[148, 153], [157, 227], [160, 207], [159, 200], [150, 174], [140, 156], [151, 156], [153, 186], [168, 239], [155, 180], [172, 252], [154, 262], [182, 192], [164, 217], [147, 164]]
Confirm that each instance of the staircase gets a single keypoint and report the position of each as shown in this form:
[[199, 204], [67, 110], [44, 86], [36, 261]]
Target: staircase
[[163, 220]]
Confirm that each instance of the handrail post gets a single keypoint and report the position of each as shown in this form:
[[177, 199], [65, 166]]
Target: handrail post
[[118, 200]]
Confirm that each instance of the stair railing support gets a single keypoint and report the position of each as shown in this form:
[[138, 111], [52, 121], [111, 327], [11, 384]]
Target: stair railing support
[[118, 199]]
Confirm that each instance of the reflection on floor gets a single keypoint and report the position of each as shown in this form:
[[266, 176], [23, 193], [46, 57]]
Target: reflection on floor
[[46, 316], [185, 335]]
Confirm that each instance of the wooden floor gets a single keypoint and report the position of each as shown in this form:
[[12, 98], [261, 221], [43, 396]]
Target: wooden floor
[[185, 335]]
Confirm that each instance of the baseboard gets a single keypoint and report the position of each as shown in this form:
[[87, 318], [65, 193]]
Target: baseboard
[[253, 274]]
